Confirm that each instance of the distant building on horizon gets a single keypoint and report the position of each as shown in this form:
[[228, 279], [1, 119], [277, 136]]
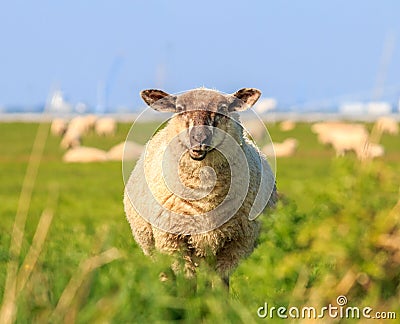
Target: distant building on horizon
[[57, 103], [369, 108]]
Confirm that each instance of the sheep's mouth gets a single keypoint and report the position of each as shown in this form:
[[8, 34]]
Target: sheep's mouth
[[198, 153]]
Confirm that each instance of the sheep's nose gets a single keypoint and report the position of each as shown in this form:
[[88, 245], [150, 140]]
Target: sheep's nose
[[200, 135]]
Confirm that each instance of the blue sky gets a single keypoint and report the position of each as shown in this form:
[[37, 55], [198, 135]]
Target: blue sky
[[292, 50]]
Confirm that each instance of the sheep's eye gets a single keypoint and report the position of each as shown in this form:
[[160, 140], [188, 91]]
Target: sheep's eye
[[179, 108], [223, 108], [217, 118]]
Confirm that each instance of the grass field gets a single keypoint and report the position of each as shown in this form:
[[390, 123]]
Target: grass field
[[335, 232]]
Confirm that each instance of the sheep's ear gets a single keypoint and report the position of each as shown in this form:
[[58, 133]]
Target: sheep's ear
[[244, 99], [159, 100]]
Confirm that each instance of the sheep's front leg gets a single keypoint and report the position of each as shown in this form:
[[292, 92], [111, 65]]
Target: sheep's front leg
[[141, 229], [229, 256]]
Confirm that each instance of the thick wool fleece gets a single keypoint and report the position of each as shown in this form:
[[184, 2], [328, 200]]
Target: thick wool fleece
[[225, 243]]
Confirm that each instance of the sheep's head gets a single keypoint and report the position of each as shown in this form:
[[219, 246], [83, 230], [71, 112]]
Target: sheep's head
[[201, 112]]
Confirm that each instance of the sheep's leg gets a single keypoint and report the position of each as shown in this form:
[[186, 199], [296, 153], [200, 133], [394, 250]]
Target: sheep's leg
[[185, 276], [229, 256], [141, 230], [225, 280]]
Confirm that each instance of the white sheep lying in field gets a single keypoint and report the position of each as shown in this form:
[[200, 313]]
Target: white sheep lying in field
[[83, 154], [105, 126], [126, 151], [58, 126], [285, 149], [181, 197]]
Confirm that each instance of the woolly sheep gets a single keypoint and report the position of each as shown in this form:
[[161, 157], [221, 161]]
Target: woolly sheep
[[79, 124], [370, 151], [126, 150], [71, 138], [387, 125], [335, 133], [85, 154], [77, 127], [285, 149], [348, 137], [344, 140], [90, 121], [287, 125], [106, 126], [58, 126], [187, 153]]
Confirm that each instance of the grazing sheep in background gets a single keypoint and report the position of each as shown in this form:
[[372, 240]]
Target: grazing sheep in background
[[126, 151], [348, 137], [255, 128], [84, 154], [370, 151], [387, 125], [71, 138], [58, 126], [187, 155], [79, 124], [287, 125], [106, 126], [330, 132], [287, 148], [90, 121], [344, 140], [77, 127]]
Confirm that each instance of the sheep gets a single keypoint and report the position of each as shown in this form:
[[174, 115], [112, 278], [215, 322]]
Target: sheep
[[287, 125], [370, 151], [77, 127], [126, 151], [285, 149], [85, 154], [58, 126], [105, 126], [387, 125], [344, 140], [335, 133], [90, 121], [348, 137], [181, 198], [72, 138], [79, 124]]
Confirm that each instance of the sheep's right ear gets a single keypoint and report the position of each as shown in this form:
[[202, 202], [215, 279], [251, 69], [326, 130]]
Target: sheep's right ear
[[244, 99], [159, 100]]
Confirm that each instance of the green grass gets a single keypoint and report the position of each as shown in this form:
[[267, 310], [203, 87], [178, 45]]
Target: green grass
[[331, 222]]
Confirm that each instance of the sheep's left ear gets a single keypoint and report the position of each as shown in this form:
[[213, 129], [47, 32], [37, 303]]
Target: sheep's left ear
[[244, 99], [159, 100]]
